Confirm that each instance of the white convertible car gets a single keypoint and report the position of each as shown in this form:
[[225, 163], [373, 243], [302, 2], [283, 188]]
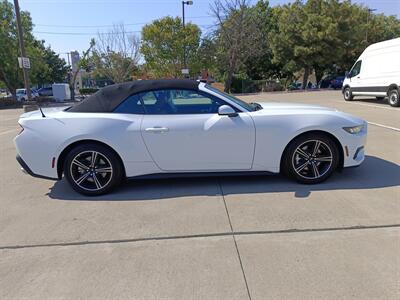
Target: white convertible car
[[184, 128]]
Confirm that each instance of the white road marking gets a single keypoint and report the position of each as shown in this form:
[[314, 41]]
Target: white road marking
[[384, 126], [370, 105], [8, 131]]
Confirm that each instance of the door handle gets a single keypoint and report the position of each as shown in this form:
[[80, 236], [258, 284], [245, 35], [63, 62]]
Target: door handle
[[157, 129]]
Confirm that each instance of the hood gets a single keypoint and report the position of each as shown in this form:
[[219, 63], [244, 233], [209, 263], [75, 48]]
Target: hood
[[290, 109], [292, 106]]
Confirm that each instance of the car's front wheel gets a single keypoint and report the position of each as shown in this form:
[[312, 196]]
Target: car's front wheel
[[394, 99], [93, 169], [347, 95], [311, 158]]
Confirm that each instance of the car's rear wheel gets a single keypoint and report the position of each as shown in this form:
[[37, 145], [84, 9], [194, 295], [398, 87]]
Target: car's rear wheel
[[347, 95], [311, 158], [92, 169], [394, 97]]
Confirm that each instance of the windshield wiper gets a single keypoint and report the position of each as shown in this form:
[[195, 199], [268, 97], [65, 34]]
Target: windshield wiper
[[256, 106]]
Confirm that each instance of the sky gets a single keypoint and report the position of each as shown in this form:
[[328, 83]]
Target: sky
[[68, 25]]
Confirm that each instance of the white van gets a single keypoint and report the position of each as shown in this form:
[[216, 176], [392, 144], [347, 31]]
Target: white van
[[376, 73]]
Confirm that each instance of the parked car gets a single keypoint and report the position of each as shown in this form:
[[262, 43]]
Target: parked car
[[156, 128], [325, 82], [45, 91], [23, 96], [295, 86], [376, 73], [337, 82]]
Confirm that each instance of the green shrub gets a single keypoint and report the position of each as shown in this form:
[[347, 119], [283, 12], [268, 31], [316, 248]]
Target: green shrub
[[9, 103], [88, 91]]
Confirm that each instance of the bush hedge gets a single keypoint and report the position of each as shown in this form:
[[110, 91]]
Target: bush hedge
[[9, 103], [88, 91]]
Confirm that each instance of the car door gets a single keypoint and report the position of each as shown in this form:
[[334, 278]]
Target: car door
[[355, 78], [184, 132]]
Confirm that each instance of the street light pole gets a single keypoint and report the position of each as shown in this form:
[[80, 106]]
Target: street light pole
[[184, 32], [184, 41], [366, 33], [22, 48]]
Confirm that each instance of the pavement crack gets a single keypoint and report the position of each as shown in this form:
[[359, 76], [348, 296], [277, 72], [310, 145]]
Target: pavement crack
[[192, 236], [234, 239]]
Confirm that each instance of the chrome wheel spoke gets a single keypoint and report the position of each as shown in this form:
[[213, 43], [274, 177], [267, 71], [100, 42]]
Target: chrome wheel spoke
[[80, 165], [324, 159], [316, 147], [97, 182], [93, 159], [315, 170], [103, 170], [82, 178], [301, 168], [302, 153]]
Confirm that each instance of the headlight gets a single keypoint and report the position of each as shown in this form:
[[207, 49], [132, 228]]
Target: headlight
[[354, 129]]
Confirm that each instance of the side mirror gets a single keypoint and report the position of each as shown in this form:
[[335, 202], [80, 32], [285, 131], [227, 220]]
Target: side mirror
[[226, 110], [347, 74]]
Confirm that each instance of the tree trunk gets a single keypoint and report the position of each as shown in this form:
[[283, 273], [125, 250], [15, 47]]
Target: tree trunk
[[318, 74], [305, 77], [72, 84], [228, 81]]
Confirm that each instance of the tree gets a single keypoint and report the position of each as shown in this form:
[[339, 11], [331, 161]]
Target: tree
[[238, 36], [163, 43], [55, 68], [325, 35], [116, 54], [10, 73], [46, 66], [259, 64], [83, 63]]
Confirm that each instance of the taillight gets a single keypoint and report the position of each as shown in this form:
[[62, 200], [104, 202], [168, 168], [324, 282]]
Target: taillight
[[22, 129]]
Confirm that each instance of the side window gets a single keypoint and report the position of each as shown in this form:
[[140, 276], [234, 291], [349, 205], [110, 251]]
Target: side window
[[132, 105], [356, 69], [180, 102]]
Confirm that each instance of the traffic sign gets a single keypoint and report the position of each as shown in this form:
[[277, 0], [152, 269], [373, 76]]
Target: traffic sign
[[24, 62]]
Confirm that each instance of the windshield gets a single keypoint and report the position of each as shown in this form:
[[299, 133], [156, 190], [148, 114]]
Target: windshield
[[239, 102]]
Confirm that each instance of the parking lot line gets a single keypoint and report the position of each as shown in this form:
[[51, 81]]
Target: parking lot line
[[384, 126], [370, 105]]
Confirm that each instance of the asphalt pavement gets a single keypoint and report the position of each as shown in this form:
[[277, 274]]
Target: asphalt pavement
[[258, 237]]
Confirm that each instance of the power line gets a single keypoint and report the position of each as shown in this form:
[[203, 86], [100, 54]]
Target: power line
[[99, 26]]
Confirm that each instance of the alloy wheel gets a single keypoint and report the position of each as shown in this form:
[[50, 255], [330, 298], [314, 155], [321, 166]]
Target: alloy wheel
[[347, 94], [393, 98], [312, 159], [91, 170]]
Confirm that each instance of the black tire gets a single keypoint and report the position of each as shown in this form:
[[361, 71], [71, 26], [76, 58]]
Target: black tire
[[79, 164], [380, 98], [394, 99], [347, 95], [316, 167]]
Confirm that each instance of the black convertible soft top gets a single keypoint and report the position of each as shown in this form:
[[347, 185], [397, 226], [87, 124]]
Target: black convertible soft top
[[108, 98]]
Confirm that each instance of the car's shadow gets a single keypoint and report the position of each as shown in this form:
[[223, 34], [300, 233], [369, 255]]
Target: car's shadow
[[372, 174], [372, 100]]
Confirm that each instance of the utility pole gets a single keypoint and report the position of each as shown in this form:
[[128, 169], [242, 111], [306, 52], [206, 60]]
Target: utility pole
[[22, 48], [184, 43], [366, 33]]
